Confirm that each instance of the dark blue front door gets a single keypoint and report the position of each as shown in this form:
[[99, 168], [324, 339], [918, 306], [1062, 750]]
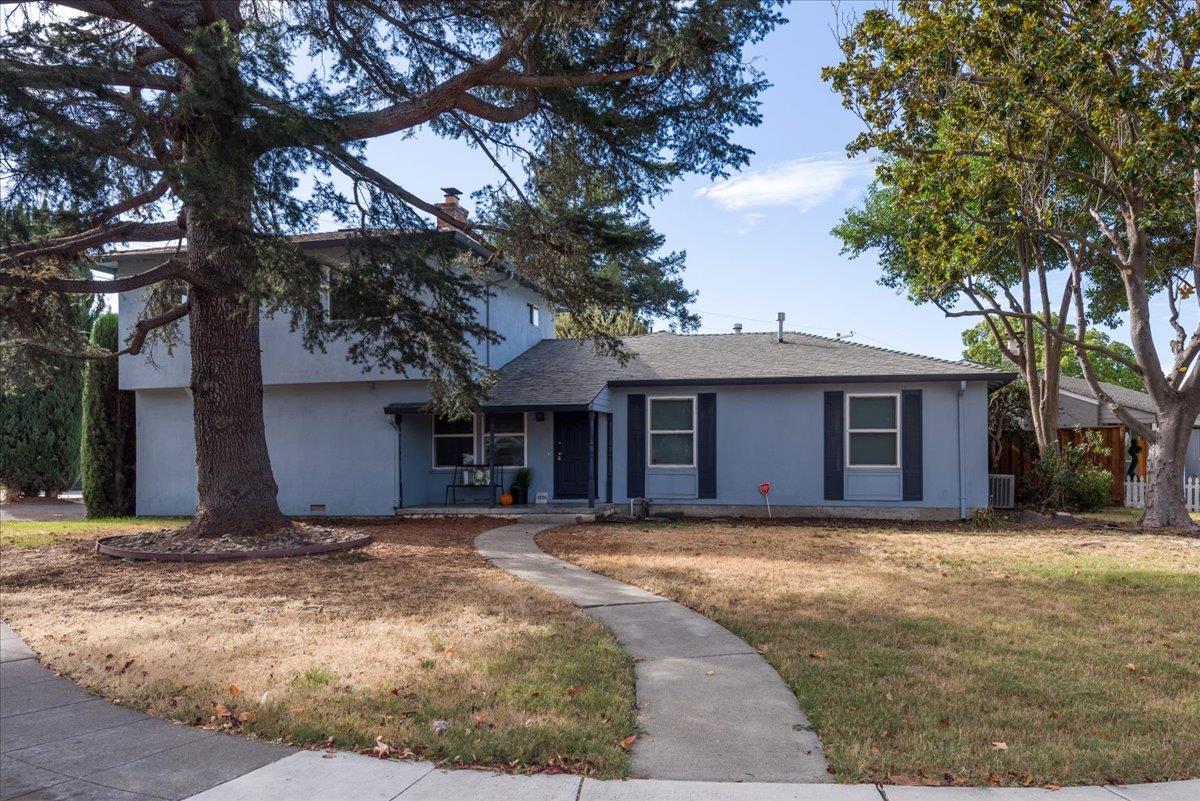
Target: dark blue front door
[[570, 454]]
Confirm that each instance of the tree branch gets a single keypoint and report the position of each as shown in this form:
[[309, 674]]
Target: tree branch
[[171, 268], [73, 244], [141, 330]]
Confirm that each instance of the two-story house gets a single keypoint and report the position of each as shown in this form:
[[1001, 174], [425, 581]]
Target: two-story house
[[700, 423]]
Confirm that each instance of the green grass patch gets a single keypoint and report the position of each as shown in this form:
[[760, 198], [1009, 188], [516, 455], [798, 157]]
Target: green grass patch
[[40, 533], [916, 651]]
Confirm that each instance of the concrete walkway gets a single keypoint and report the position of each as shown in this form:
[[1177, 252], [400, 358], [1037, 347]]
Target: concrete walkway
[[710, 706]]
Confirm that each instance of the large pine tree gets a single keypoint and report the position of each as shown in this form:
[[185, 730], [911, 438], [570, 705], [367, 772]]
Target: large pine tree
[[155, 120]]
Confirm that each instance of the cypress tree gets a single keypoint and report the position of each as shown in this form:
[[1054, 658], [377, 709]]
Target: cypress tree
[[106, 457], [40, 432]]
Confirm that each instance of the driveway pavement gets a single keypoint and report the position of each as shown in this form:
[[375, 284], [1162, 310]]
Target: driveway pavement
[[42, 509]]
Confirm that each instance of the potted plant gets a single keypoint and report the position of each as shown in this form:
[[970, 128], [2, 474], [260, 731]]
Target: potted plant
[[520, 485]]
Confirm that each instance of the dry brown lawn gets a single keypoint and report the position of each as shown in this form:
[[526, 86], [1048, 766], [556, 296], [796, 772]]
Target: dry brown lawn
[[384, 642], [948, 654]]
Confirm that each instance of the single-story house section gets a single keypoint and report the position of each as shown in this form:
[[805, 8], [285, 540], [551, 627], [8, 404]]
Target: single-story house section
[[696, 423]]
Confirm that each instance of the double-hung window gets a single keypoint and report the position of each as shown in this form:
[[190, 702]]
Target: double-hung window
[[873, 431], [672, 432], [508, 448], [453, 442]]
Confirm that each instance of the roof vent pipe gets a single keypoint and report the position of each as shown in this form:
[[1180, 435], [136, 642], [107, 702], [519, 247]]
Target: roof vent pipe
[[737, 328], [780, 317]]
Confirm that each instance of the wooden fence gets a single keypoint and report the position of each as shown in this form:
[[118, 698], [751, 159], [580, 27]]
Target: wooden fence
[[1016, 456]]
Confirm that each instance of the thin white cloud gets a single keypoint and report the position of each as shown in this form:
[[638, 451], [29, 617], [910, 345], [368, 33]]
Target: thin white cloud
[[805, 183]]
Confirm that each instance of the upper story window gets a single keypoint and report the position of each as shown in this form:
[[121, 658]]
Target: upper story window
[[672, 432], [872, 431], [508, 450], [351, 300], [535, 315], [453, 442]]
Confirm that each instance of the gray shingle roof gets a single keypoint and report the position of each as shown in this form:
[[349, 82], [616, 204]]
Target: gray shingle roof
[[567, 372], [1126, 397]]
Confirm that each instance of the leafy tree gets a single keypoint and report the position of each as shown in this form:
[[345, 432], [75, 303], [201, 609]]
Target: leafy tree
[[147, 121], [1070, 127], [107, 456], [934, 245], [618, 323], [980, 346]]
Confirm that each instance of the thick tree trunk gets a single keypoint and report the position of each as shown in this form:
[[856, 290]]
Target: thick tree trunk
[[236, 485], [1165, 463]]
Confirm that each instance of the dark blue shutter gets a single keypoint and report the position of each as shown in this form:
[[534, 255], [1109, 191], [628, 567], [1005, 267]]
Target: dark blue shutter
[[835, 425], [636, 456], [706, 445], [910, 447]]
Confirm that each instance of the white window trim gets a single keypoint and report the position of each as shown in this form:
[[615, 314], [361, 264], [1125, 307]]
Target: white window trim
[[524, 439], [434, 437], [535, 314], [896, 398], [650, 432]]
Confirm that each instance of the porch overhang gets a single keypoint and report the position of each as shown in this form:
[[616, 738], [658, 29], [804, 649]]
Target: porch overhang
[[423, 408]]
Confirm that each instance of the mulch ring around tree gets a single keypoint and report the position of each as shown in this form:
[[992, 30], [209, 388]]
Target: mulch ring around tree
[[168, 545]]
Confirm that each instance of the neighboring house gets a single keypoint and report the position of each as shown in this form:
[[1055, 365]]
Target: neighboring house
[[694, 422], [1079, 408]]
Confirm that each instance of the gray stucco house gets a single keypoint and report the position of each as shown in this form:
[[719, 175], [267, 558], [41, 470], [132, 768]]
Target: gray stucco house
[[693, 422]]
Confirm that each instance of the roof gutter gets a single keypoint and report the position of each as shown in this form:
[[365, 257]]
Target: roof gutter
[[993, 379]]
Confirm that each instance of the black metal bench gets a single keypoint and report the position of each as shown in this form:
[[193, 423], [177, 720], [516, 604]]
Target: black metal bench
[[465, 478]]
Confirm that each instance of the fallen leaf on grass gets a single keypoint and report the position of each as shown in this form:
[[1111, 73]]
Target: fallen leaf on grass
[[819, 655], [628, 742], [220, 710], [234, 690], [999, 745], [381, 748]]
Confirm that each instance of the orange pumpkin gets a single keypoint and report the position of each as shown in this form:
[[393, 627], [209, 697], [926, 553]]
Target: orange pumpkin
[[506, 499]]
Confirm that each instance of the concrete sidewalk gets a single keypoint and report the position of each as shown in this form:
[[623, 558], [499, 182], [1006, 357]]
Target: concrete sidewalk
[[709, 705]]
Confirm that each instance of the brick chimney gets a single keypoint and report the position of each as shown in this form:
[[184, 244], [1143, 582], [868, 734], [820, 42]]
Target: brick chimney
[[450, 207]]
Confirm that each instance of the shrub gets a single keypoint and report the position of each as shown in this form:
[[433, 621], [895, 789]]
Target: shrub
[[107, 454], [1070, 480]]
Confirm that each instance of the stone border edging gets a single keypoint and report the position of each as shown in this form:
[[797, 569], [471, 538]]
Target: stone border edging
[[103, 548]]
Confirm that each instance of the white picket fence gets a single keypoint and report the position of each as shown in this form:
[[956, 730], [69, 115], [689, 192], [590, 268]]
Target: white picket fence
[[1135, 493]]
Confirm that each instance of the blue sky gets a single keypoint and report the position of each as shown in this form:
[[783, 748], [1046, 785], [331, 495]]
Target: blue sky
[[758, 243]]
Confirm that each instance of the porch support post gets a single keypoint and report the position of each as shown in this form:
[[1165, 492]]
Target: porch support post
[[608, 436], [399, 418], [591, 459], [489, 421]]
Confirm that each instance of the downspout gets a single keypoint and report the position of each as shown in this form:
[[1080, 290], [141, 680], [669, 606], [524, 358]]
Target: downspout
[[958, 426]]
